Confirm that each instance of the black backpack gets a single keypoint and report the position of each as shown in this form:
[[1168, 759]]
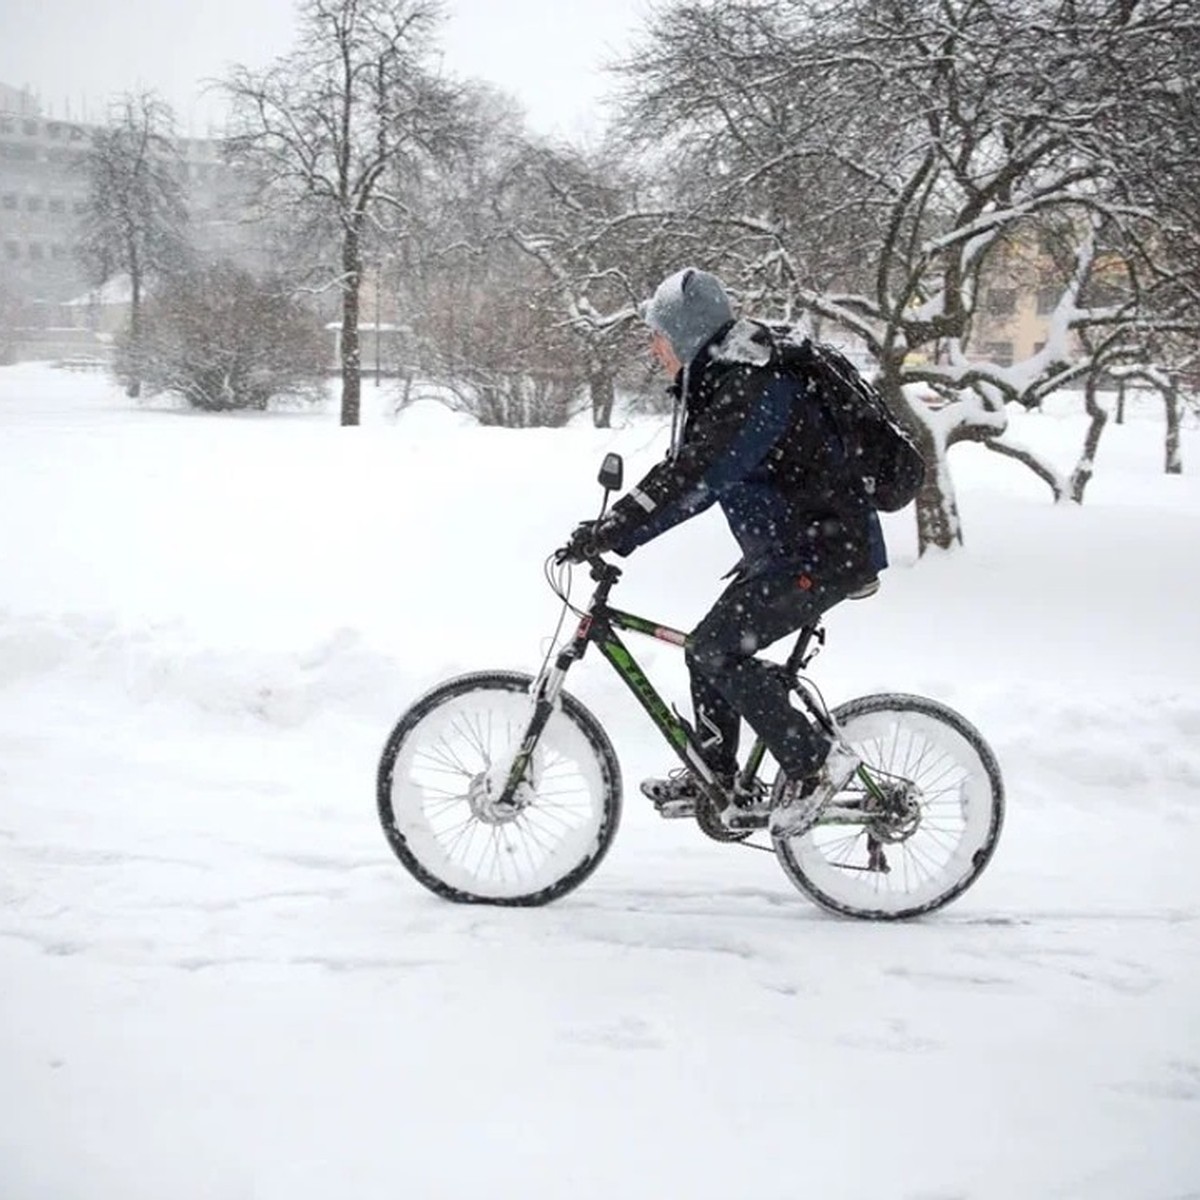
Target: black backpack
[[889, 463]]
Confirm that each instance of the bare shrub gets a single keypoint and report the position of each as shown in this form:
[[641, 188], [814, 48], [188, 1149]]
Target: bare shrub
[[223, 340]]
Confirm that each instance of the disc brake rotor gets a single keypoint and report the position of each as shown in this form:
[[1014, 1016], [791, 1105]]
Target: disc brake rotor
[[900, 815], [483, 794]]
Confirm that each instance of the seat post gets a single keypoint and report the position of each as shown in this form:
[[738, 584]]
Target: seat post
[[800, 656]]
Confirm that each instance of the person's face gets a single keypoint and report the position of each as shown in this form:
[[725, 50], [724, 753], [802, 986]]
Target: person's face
[[664, 352]]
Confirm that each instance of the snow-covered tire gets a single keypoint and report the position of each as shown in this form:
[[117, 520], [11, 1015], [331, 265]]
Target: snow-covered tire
[[961, 799], [430, 770]]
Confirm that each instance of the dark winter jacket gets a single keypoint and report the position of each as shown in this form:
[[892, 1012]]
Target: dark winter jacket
[[758, 444]]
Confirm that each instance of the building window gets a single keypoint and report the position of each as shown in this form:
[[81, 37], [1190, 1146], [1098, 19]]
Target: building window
[[79, 206], [30, 128], [1002, 302], [1047, 300], [33, 204], [1001, 353], [35, 252], [8, 200], [1038, 347], [6, 125], [12, 251], [54, 130], [57, 205], [56, 252]]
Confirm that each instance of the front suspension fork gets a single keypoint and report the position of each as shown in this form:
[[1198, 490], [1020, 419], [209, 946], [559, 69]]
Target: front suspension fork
[[545, 692]]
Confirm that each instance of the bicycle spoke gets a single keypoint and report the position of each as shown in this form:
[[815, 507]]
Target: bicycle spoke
[[442, 801], [472, 738], [444, 763]]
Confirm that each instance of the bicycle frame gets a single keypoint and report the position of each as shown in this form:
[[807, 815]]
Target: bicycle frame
[[599, 624]]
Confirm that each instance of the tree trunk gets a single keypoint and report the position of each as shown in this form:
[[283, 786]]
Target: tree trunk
[[603, 393], [1086, 466], [1173, 446], [1121, 386], [351, 350], [133, 387], [938, 524]]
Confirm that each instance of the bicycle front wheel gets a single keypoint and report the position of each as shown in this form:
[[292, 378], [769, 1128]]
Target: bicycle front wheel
[[935, 834], [437, 784]]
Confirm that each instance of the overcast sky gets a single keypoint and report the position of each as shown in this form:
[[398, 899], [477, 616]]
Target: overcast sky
[[74, 54]]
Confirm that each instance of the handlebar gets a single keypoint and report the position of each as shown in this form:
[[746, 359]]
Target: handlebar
[[600, 569]]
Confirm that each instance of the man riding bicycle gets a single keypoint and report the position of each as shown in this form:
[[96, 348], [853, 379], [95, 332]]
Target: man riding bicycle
[[749, 436]]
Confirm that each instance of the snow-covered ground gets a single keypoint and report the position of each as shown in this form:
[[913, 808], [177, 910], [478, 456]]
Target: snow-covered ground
[[217, 984]]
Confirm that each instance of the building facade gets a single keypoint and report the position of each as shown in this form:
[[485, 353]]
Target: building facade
[[44, 194], [1018, 293]]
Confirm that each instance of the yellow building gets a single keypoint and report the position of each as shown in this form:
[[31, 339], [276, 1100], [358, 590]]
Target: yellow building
[[1012, 320]]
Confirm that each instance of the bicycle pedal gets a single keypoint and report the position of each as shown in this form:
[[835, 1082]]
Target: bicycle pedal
[[740, 819], [675, 809]]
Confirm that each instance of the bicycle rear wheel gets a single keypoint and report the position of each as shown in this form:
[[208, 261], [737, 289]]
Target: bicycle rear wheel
[[445, 764], [937, 836]]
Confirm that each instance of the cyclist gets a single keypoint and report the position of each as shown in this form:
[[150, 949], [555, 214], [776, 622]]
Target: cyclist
[[751, 438]]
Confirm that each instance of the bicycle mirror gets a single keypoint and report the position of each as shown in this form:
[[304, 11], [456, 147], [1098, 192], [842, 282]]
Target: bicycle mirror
[[612, 472]]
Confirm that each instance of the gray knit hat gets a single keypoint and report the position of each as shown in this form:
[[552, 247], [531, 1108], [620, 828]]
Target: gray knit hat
[[688, 308]]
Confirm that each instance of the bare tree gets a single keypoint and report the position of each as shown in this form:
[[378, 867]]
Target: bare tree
[[879, 164], [478, 339], [135, 218], [483, 345], [339, 129], [577, 217]]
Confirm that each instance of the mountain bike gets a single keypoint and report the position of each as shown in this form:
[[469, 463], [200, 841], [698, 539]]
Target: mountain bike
[[500, 787]]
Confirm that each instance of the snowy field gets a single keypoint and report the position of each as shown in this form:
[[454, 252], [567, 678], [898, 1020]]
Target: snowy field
[[216, 983]]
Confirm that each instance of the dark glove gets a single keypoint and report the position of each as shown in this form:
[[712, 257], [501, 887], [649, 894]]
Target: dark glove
[[581, 545]]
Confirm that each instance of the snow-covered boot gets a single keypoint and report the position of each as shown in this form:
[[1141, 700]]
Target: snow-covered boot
[[798, 806]]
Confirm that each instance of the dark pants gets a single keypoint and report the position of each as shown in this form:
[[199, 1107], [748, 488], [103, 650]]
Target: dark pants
[[729, 683]]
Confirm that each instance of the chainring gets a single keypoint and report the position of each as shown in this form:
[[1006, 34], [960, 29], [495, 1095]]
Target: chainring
[[709, 820]]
